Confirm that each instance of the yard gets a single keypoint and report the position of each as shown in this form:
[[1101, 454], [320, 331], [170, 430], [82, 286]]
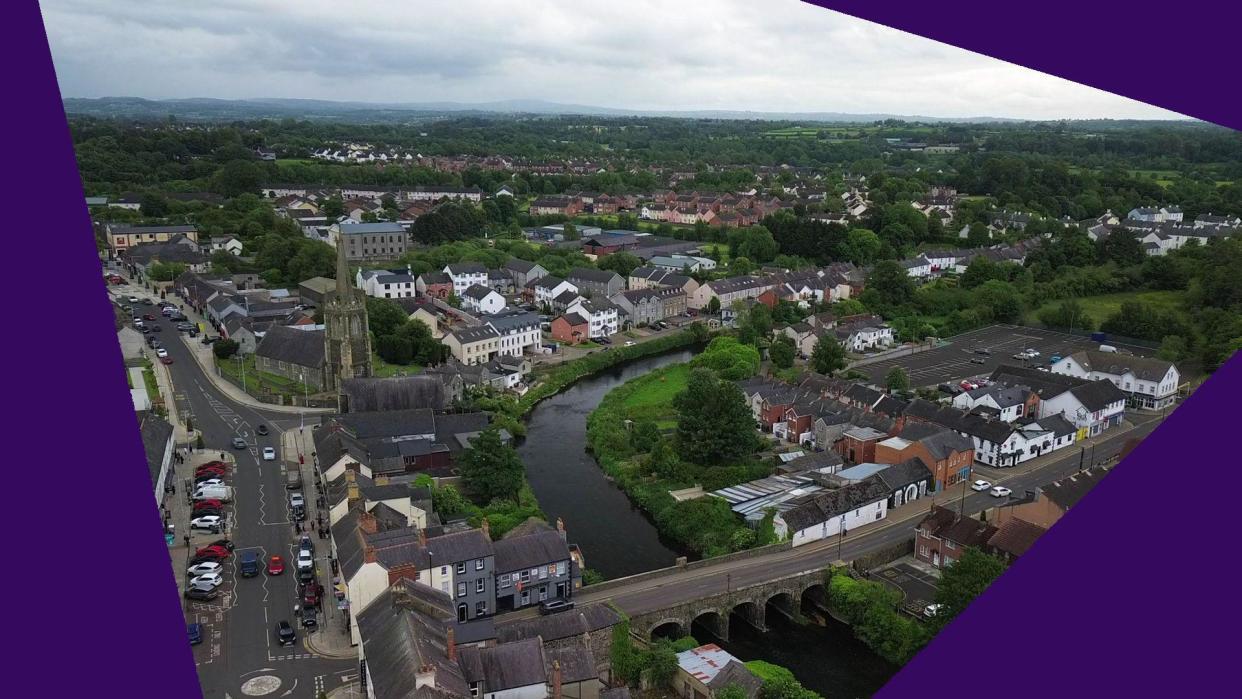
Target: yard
[[657, 393], [260, 381], [1099, 308], [382, 369]]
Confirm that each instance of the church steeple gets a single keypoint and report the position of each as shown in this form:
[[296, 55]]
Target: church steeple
[[342, 269]]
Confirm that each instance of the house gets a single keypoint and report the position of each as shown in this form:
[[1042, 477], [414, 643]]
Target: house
[[387, 283], [1161, 214], [998, 443], [313, 291], [1151, 384], [600, 283], [482, 300], [571, 328], [544, 290], [906, 481], [1009, 402], [532, 568], [861, 333], [858, 444], [555, 206], [1048, 503], [227, 243], [297, 355], [241, 330], [647, 306], [396, 442], [370, 241], [523, 271], [466, 275], [122, 237], [1091, 406], [602, 315], [436, 285], [157, 443], [518, 331], [473, 345], [918, 267], [704, 671], [943, 536], [609, 242], [1013, 539], [728, 291], [947, 454], [178, 250], [833, 512]]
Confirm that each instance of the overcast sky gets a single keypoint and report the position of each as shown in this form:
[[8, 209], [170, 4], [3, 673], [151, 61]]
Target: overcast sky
[[775, 56]]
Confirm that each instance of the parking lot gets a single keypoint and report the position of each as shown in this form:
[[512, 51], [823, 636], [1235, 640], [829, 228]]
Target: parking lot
[[918, 586], [961, 357]]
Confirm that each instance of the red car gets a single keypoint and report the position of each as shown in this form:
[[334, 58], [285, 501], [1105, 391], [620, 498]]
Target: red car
[[166, 360], [275, 565], [207, 505], [213, 470], [214, 464], [148, 316], [310, 597], [213, 550]]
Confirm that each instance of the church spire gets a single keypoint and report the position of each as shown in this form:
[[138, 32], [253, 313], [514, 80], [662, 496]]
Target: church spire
[[342, 269]]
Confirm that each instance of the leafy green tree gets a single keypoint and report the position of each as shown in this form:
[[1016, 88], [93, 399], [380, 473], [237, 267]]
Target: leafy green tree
[[384, 316], [729, 359], [333, 208], [620, 262], [782, 351], [1067, 314], [224, 349], [962, 582], [978, 235], [491, 469], [448, 501], [828, 357], [862, 246], [1123, 247], [756, 325], [713, 306], [1001, 299], [644, 436], [889, 284], [714, 424], [896, 380], [1173, 348], [571, 232], [662, 664]]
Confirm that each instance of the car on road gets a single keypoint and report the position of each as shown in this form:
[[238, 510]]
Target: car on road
[[629, 343], [161, 353], [306, 559], [1054, 359], [269, 454], [166, 360], [239, 443], [275, 565], [978, 360], [184, 327], [285, 635], [555, 606], [306, 576], [133, 299], [1000, 491], [211, 580], [261, 429], [209, 522], [214, 550], [205, 568], [980, 485], [196, 633], [143, 329], [1021, 356], [983, 350], [201, 594]]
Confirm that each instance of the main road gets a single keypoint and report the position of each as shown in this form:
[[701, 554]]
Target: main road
[[249, 661]]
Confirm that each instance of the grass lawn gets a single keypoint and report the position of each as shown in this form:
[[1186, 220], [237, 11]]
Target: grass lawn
[[659, 392], [148, 378], [382, 369], [1105, 305], [256, 379]]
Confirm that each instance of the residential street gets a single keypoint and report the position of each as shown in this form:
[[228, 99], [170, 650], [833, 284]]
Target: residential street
[[246, 659]]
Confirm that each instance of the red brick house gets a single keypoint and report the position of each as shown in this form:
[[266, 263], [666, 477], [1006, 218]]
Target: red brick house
[[943, 536], [571, 329], [946, 453], [858, 444], [768, 298]]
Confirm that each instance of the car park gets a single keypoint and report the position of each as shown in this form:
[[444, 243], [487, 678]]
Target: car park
[[208, 522], [239, 443], [196, 633], [285, 635], [204, 568], [980, 485], [275, 565], [269, 454], [1000, 491], [209, 580]]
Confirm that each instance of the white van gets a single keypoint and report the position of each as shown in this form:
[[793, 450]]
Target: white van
[[1107, 348], [213, 492]]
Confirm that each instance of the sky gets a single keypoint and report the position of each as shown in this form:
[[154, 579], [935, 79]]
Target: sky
[[770, 56]]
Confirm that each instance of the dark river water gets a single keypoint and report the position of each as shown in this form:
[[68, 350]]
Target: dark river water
[[618, 540]]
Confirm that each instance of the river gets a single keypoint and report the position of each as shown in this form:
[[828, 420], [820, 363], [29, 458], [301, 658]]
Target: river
[[617, 539]]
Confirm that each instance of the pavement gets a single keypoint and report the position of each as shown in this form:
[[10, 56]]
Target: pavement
[[239, 656], [915, 580]]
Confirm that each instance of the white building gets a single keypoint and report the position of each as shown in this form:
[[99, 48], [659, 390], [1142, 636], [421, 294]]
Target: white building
[[603, 316], [829, 513], [387, 283], [466, 275], [1150, 383], [519, 332], [482, 299], [549, 287]]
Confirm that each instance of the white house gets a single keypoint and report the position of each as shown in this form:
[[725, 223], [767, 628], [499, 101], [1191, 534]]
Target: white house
[[482, 299], [1009, 402], [519, 332], [227, 243], [865, 333], [1150, 383], [1091, 408], [549, 287], [466, 275], [918, 268], [828, 513], [387, 283], [602, 315], [1162, 214]]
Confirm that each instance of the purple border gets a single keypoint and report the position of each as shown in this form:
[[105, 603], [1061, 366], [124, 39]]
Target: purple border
[[1127, 595]]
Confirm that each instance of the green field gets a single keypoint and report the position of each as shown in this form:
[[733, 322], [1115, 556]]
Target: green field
[[659, 391], [1101, 307], [794, 132]]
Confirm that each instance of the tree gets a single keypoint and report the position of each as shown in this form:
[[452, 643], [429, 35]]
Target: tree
[[714, 424], [384, 316], [491, 469], [1067, 314], [756, 324], [729, 358], [713, 306], [1172, 348], [1001, 299], [963, 581], [889, 284], [620, 262], [782, 351], [645, 435], [896, 380], [223, 349], [571, 231], [978, 235], [1123, 247], [333, 208], [862, 246], [662, 664], [828, 357]]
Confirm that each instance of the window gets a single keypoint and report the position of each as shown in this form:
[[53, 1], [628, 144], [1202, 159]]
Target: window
[[480, 608], [526, 576], [505, 581], [461, 568], [480, 585], [543, 593], [949, 545], [543, 573], [560, 568], [474, 689], [478, 565], [461, 589]]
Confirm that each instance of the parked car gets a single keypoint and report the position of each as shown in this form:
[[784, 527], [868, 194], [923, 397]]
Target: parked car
[[296, 500], [239, 443], [261, 429], [982, 350], [207, 481], [196, 633], [225, 543], [306, 576], [148, 316], [205, 511], [269, 454], [932, 610], [629, 343], [1000, 491], [285, 635], [148, 302], [133, 299], [205, 504], [214, 550], [208, 522], [211, 580], [306, 544], [166, 360], [204, 568], [210, 471], [275, 565], [603, 340], [555, 606], [199, 594], [306, 559], [310, 595], [310, 619], [161, 353], [157, 329], [980, 485]]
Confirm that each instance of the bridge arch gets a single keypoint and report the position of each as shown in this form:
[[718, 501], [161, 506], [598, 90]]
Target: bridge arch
[[713, 620], [784, 603], [752, 612], [668, 628]]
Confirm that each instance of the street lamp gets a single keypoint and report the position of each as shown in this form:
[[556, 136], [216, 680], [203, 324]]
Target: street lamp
[[242, 365]]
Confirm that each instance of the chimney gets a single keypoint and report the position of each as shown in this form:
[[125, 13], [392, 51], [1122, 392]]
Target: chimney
[[556, 679], [560, 527], [381, 480], [422, 537], [450, 642], [367, 523], [368, 554], [487, 528]]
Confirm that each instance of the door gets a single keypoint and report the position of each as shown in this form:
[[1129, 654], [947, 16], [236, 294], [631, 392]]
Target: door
[[462, 612], [936, 558]]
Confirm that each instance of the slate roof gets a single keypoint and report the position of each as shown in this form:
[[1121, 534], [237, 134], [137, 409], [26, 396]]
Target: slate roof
[[461, 268], [297, 347], [156, 432], [441, 550], [554, 627], [519, 265], [574, 319], [532, 551], [504, 666], [1112, 363], [476, 333], [361, 228], [477, 292], [822, 506], [575, 661], [1066, 492], [1015, 536], [939, 441], [903, 474], [944, 523], [372, 394], [735, 673], [404, 629], [812, 462], [390, 423], [430, 278]]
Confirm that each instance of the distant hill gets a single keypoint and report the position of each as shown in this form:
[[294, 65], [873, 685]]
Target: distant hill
[[214, 109]]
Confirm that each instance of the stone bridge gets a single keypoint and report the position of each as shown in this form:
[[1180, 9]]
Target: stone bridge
[[750, 603]]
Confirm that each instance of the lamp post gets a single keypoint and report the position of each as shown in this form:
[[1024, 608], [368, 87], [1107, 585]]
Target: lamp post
[[242, 365]]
